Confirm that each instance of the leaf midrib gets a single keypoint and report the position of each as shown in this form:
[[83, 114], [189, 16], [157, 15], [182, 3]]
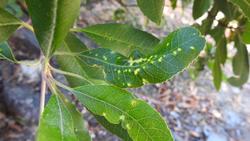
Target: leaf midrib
[[66, 108], [53, 28], [10, 24], [61, 118], [135, 66]]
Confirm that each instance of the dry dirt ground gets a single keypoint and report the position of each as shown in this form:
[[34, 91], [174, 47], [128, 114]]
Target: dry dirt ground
[[194, 110]]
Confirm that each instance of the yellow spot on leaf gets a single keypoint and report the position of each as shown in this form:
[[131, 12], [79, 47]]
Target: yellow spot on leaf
[[128, 126], [122, 117], [145, 81], [105, 58], [175, 53], [160, 59], [133, 103], [137, 71]]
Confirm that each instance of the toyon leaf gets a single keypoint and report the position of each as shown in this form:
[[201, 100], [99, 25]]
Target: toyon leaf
[[221, 51], [230, 10], [8, 24], [200, 7], [153, 9], [3, 3], [61, 122], [217, 33], [217, 75], [171, 56], [118, 106], [6, 52], [72, 65], [240, 65], [246, 33], [173, 3], [244, 6], [52, 20], [121, 38], [113, 128]]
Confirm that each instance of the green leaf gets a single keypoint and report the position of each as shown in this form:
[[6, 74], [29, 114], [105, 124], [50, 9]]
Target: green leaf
[[61, 122], [221, 51], [153, 9], [173, 3], [8, 24], [113, 128], [240, 65], [171, 56], [244, 6], [230, 10], [217, 75], [6, 52], [3, 3], [121, 38], [72, 65], [118, 106], [246, 33], [217, 33], [200, 7], [52, 20]]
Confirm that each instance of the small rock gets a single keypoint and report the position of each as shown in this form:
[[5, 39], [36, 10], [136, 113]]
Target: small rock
[[32, 73], [232, 118], [216, 137], [22, 103]]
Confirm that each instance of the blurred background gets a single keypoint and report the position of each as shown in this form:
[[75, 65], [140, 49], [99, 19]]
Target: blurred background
[[194, 109]]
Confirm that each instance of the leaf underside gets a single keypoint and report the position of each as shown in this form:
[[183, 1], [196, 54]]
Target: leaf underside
[[114, 128], [140, 120], [169, 57], [121, 38], [6, 52], [153, 9], [8, 24], [71, 64]]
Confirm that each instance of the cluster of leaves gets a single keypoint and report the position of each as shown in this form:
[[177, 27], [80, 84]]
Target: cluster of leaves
[[231, 28], [227, 22], [127, 58]]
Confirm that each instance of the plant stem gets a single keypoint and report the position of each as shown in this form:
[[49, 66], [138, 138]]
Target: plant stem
[[42, 96], [26, 25], [45, 72]]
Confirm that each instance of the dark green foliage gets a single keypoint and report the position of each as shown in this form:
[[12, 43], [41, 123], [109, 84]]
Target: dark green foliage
[[233, 10], [153, 9], [166, 59], [120, 107], [200, 7], [61, 122], [52, 19], [8, 24]]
